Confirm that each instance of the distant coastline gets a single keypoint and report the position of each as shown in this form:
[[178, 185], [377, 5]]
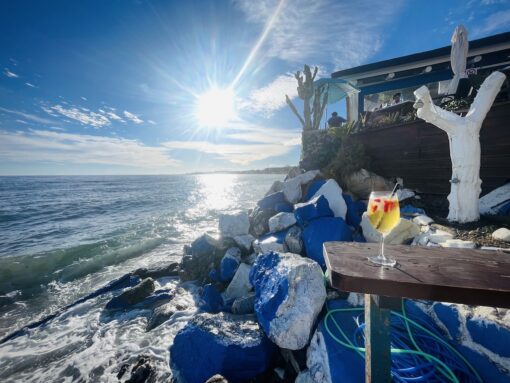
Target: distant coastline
[[274, 170]]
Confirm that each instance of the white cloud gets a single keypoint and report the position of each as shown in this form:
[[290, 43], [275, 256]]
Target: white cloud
[[113, 116], [343, 33], [30, 85], [496, 21], [151, 122], [132, 117], [93, 119], [57, 147], [10, 74], [27, 116], [272, 96]]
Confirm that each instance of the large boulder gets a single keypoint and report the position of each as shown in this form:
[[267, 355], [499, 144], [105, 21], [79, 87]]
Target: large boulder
[[244, 241], [210, 299], [132, 295], [231, 345], [270, 242], [170, 270], [322, 230], [363, 182], [281, 221], [405, 231], [289, 294], [240, 285], [292, 187], [271, 200], [315, 208], [259, 221], [232, 225], [355, 210], [293, 240], [333, 194], [275, 187], [312, 188], [229, 264]]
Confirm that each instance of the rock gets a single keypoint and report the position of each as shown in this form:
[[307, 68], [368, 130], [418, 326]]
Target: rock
[[363, 182], [132, 295], [240, 285], [422, 220], [275, 187], [289, 294], [244, 305], [404, 231], [158, 298], [315, 208], [284, 207], [217, 379], [333, 194], [281, 221], [182, 300], [411, 211], [210, 299], [403, 194], [250, 259], [293, 240], [313, 188], [232, 225], [204, 246], [293, 172], [292, 190], [271, 200], [229, 264], [259, 221], [502, 234], [324, 230], [170, 270], [141, 372], [354, 211], [270, 242], [439, 236], [231, 345], [458, 243], [492, 202], [206, 254], [244, 241]]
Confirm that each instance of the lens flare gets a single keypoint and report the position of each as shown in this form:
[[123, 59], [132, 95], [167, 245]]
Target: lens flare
[[216, 107]]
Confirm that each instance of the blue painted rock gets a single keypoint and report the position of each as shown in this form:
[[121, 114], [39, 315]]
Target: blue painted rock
[[333, 193], [315, 208], [231, 345], [324, 230], [244, 305], [284, 207], [313, 188], [353, 216], [210, 299], [229, 264], [289, 294]]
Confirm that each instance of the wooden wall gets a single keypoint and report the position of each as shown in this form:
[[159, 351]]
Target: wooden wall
[[419, 152]]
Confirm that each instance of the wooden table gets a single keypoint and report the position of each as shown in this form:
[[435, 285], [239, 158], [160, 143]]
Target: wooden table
[[466, 276]]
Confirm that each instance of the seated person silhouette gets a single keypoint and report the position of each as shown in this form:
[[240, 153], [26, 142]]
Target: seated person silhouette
[[335, 121]]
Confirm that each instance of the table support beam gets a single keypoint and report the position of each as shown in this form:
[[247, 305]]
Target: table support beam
[[377, 341]]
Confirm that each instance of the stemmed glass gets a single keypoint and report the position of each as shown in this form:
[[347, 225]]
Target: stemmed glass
[[384, 214]]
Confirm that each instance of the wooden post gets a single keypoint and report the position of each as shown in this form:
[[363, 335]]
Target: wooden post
[[377, 341]]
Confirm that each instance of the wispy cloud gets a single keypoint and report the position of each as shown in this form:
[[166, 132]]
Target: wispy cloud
[[30, 85], [272, 96], [57, 147], [114, 116], [492, 23], [132, 117], [10, 74], [28, 116], [344, 33], [93, 119]]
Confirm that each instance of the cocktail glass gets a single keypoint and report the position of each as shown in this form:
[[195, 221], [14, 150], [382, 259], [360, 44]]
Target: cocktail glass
[[384, 214]]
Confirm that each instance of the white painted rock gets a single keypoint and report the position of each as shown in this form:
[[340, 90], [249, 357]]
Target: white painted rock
[[458, 243], [404, 231], [422, 220], [281, 221], [439, 236], [292, 190], [244, 241], [240, 284], [269, 243], [233, 225], [502, 234], [290, 293], [333, 194], [490, 203]]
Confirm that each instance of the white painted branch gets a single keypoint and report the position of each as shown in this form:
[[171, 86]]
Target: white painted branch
[[463, 134]]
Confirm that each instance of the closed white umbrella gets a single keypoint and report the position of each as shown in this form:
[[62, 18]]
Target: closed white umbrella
[[460, 47]]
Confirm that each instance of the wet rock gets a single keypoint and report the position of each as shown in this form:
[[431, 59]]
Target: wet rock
[[244, 305], [170, 270], [231, 345], [315, 208], [240, 285], [259, 221], [232, 225], [281, 221], [502, 234], [217, 379], [290, 294], [181, 301], [229, 264], [333, 194], [294, 241], [210, 299], [141, 372], [132, 295], [324, 230], [206, 254], [244, 241]]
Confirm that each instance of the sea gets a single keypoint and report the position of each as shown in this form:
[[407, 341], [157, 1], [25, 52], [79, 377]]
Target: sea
[[63, 237]]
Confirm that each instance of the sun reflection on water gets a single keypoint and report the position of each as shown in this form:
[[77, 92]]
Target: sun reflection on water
[[218, 190]]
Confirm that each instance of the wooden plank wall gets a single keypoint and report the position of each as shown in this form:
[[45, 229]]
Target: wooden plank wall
[[419, 152]]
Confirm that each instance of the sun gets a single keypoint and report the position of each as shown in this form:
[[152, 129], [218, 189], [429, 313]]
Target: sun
[[216, 107]]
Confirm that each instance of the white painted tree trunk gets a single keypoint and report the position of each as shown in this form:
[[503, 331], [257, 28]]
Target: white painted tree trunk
[[464, 136]]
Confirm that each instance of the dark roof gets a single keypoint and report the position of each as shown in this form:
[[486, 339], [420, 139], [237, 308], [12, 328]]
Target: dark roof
[[480, 43]]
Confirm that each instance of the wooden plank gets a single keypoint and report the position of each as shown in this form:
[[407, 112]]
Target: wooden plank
[[442, 274], [377, 342]]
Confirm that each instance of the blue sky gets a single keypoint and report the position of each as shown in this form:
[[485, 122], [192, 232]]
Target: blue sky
[[111, 87]]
